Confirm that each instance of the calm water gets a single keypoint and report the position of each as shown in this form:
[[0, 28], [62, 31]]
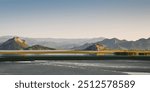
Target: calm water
[[76, 67]]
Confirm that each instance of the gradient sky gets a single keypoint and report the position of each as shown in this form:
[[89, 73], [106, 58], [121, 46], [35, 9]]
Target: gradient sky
[[124, 19]]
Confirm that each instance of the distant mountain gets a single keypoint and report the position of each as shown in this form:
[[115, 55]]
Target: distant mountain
[[58, 43], [39, 47], [15, 43], [83, 47], [114, 43]]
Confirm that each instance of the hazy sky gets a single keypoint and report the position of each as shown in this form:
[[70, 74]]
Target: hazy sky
[[124, 19]]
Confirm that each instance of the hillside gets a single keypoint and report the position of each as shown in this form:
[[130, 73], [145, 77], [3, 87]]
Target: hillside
[[114, 43], [14, 44], [39, 47], [96, 47]]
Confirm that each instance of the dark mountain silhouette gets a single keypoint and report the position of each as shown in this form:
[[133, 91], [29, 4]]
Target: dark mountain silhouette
[[14, 44], [39, 47], [114, 43]]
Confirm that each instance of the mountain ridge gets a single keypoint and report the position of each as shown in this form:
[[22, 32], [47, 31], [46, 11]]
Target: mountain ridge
[[38, 47], [114, 43], [55, 42], [76, 44], [14, 43]]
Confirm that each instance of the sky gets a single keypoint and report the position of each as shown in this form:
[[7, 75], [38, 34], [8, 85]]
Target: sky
[[123, 19]]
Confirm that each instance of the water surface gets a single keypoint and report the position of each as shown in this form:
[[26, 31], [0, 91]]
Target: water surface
[[75, 67]]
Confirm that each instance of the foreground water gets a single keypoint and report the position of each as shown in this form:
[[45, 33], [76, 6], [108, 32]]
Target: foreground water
[[75, 67]]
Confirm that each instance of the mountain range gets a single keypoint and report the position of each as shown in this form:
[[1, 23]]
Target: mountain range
[[16, 43], [114, 43], [22, 43], [57, 43]]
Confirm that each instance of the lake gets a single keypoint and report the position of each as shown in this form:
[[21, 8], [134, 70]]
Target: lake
[[75, 67]]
